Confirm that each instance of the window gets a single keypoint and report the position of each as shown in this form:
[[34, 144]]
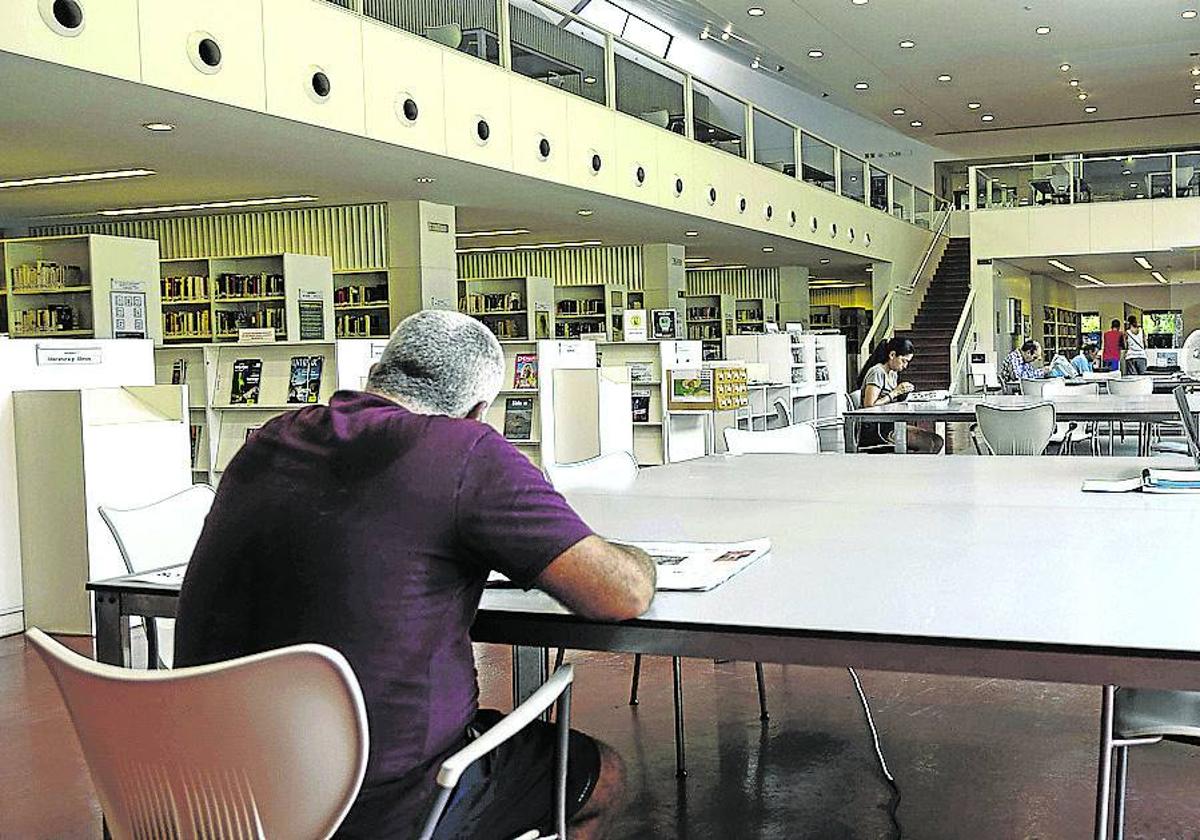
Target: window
[[619, 21]]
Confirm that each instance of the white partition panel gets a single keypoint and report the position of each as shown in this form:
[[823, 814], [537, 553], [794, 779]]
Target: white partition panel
[[539, 130], [208, 48], [478, 111], [638, 175], [676, 170], [96, 35], [591, 142], [405, 104]]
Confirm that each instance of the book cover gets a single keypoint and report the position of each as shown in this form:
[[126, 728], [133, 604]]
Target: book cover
[[525, 373], [194, 436], [179, 372], [247, 377], [518, 418], [316, 364], [304, 383], [640, 372], [662, 323], [640, 402]]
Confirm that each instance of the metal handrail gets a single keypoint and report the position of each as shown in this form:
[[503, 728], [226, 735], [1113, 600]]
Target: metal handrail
[[881, 328], [958, 343], [937, 234]]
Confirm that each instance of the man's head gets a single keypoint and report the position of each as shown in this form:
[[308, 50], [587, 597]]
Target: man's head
[[1030, 350], [1089, 351], [1116, 323], [440, 362]]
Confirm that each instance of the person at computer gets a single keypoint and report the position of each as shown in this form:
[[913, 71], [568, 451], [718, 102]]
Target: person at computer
[[879, 383], [1135, 348], [1111, 344], [1020, 364], [370, 525]]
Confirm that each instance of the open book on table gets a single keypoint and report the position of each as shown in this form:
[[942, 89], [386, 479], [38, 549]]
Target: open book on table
[[691, 566], [1150, 481]]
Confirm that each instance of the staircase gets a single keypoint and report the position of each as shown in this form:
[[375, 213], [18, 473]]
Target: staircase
[[933, 328]]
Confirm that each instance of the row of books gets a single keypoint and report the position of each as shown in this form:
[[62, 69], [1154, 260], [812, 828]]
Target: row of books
[[249, 285], [356, 326], [698, 312], [701, 331], [475, 304], [744, 315], [46, 275], [575, 329], [270, 316], [586, 306], [304, 380], [190, 287], [518, 414], [52, 318], [509, 327], [195, 433], [189, 322], [361, 294]]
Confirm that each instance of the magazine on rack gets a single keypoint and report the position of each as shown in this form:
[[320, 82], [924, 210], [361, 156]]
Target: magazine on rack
[[689, 566]]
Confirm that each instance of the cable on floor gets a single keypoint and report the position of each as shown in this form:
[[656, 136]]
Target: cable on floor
[[894, 802]]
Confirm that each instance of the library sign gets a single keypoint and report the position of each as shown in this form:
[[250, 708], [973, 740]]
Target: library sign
[[69, 355]]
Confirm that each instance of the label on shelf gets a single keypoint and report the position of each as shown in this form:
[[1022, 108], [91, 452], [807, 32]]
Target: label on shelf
[[128, 286], [256, 335], [312, 317], [69, 355]]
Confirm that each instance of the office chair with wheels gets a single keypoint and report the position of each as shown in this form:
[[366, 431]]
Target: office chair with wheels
[[1025, 430], [800, 439], [162, 533]]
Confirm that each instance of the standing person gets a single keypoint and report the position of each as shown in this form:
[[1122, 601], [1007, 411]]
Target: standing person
[[880, 385], [370, 525], [1112, 343], [1135, 349], [1019, 364]]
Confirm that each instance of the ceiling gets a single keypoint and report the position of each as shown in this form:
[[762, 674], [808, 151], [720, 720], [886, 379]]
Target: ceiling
[[1132, 58], [1178, 266], [218, 152]]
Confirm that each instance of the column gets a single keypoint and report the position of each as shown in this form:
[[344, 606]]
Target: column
[[793, 296], [422, 267], [664, 275]]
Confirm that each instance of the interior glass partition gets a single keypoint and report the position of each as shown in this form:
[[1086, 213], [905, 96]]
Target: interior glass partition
[[469, 26], [557, 50], [1187, 175], [879, 189], [922, 208], [718, 119], [1126, 178], [648, 89], [853, 178], [902, 200], [774, 143], [818, 162]]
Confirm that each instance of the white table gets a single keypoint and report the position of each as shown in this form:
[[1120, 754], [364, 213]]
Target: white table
[[995, 567]]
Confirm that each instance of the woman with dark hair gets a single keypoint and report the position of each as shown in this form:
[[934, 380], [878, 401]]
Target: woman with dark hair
[[880, 384]]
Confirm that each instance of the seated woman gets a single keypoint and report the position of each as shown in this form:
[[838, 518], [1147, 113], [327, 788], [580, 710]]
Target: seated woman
[[880, 385]]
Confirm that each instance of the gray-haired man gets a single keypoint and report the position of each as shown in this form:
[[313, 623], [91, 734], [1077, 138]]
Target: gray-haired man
[[370, 525]]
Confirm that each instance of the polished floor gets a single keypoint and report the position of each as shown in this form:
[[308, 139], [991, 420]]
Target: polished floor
[[973, 758]]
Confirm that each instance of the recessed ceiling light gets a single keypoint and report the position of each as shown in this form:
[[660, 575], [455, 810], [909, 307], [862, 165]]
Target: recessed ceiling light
[[584, 212], [974, 106], [476, 234], [1196, 71], [907, 44], [424, 179], [1196, 86], [1143, 262], [1061, 266], [756, 63], [825, 261], [1091, 279], [158, 126], [1064, 67], [1157, 275], [697, 259], [859, 2], [1196, 101], [1188, 14], [1133, 185], [945, 77], [756, 11], [767, 249], [816, 54], [1042, 30], [1140, 195], [1082, 96], [208, 205], [1126, 171], [589, 80], [1091, 109], [705, 34], [726, 32], [719, 267], [1074, 83], [916, 123], [861, 85], [899, 112], [988, 117], [691, 233], [44, 180]]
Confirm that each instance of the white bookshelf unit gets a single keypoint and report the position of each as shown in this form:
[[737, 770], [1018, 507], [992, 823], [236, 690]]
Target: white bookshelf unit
[[593, 309], [187, 365], [88, 286], [361, 304], [515, 309], [709, 318], [751, 315], [520, 389]]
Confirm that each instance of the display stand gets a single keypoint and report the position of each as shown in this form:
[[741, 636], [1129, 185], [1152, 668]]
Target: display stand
[[77, 450], [584, 409], [709, 319], [187, 365]]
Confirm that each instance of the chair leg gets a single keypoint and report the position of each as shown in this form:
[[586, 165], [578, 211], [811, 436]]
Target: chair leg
[[558, 660], [152, 660], [680, 758], [1119, 793], [633, 683], [1104, 765], [763, 714]]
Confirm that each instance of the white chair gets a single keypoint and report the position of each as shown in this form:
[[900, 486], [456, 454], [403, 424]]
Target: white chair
[[1052, 387], [447, 34], [1024, 430], [162, 533], [1091, 432], [1130, 386], [800, 439], [614, 471], [660, 117]]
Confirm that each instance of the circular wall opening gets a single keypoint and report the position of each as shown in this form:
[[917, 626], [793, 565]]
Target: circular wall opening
[[678, 187], [813, 224], [867, 240], [833, 229], [791, 218], [639, 175], [768, 212], [712, 196], [850, 234], [204, 52], [741, 205], [483, 131], [210, 52], [320, 84], [596, 163], [62, 17], [543, 148]]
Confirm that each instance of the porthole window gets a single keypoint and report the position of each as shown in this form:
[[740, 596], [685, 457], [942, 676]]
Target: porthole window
[[850, 234], [833, 229], [596, 163], [543, 148], [678, 186], [204, 52], [813, 224], [483, 131], [867, 240], [63, 17], [768, 212], [791, 218], [712, 195], [407, 110], [639, 175], [741, 204], [319, 85]]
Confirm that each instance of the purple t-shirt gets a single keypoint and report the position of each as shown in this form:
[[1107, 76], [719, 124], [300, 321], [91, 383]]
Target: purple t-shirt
[[371, 529]]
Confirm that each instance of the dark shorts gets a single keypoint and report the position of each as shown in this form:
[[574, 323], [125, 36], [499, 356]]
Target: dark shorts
[[504, 794]]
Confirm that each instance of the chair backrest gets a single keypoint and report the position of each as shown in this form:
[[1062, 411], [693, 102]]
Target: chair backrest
[[1091, 389], [615, 471], [1023, 430], [801, 439], [448, 34], [1043, 387], [855, 398], [269, 745], [783, 412], [1131, 386], [1191, 425], [162, 533]]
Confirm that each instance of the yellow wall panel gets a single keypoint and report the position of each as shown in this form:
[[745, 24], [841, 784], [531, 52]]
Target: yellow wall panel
[[398, 68], [539, 120], [477, 99], [104, 40], [178, 35], [620, 265]]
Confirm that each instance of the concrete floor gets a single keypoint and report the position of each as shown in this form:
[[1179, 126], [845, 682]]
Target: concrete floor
[[973, 758]]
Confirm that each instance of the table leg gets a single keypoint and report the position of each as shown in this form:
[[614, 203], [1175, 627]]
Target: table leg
[[112, 631], [942, 429], [900, 437], [1104, 771], [531, 668], [851, 432]]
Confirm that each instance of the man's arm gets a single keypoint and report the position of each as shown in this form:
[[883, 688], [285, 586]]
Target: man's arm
[[601, 580]]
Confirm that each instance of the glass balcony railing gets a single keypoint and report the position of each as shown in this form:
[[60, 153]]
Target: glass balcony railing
[[1086, 180], [560, 49]]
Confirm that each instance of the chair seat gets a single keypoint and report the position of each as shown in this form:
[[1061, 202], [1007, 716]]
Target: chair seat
[[1145, 713], [1174, 447]]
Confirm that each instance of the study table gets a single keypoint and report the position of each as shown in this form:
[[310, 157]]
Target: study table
[[960, 408], [963, 566]]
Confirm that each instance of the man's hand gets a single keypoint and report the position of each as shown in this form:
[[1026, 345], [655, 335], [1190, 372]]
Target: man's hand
[[601, 580]]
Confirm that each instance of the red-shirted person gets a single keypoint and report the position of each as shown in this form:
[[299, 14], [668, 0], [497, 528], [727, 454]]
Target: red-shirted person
[[1113, 343]]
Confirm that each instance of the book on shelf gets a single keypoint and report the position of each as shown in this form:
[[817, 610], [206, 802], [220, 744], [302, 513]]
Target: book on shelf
[[518, 418], [247, 379], [525, 372], [304, 383], [640, 372], [640, 405], [179, 372], [1151, 480], [663, 323], [194, 432]]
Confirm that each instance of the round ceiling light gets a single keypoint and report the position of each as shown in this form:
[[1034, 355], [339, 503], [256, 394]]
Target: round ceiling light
[[756, 11], [1091, 109], [825, 261], [691, 233], [945, 77], [859, 2], [584, 212], [158, 126], [899, 112], [988, 117], [767, 249], [816, 54], [916, 123], [424, 179], [907, 44], [1064, 67], [974, 106], [589, 80], [861, 85], [1196, 71], [1042, 30], [1082, 96], [1188, 14]]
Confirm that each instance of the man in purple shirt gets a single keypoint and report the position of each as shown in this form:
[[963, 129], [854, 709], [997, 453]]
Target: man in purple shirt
[[371, 525]]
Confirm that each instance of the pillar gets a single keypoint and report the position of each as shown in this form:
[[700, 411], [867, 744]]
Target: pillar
[[422, 267], [793, 296]]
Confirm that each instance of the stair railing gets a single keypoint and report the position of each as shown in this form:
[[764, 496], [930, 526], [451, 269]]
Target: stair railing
[[960, 347], [939, 231], [882, 328]]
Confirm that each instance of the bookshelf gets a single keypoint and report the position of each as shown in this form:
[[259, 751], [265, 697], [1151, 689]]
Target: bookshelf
[[1060, 331], [589, 309], [88, 286], [751, 315], [209, 299], [521, 394], [361, 304], [187, 365], [709, 318], [515, 309]]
